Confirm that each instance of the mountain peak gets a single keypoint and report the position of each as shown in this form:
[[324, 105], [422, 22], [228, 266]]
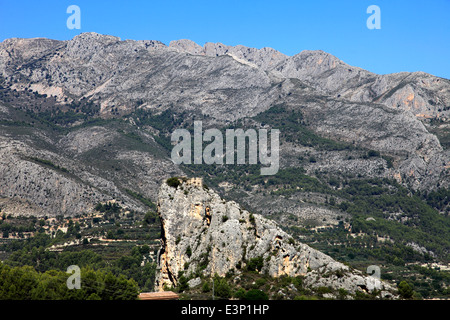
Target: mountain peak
[[86, 36], [186, 45]]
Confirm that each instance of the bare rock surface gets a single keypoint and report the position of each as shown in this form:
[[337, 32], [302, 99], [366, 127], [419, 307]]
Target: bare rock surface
[[201, 231]]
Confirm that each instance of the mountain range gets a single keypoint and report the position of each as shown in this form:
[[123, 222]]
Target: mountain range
[[93, 77]]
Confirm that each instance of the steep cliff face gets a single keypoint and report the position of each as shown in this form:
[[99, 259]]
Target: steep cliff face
[[203, 233]]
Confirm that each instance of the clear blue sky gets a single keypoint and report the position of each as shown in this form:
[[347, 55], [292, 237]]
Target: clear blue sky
[[414, 35]]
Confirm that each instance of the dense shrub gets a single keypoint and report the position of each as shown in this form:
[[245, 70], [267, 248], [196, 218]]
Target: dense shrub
[[255, 264], [255, 294], [173, 182], [25, 283]]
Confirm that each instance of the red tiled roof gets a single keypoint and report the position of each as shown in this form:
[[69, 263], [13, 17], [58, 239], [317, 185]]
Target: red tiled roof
[[164, 295]]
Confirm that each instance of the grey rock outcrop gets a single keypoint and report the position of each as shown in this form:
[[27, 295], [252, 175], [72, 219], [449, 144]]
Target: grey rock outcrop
[[264, 58], [202, 232]]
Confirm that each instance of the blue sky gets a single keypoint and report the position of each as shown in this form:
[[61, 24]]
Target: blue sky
[[414, 35]]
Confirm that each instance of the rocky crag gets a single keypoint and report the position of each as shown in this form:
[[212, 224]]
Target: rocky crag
[[203, 233]]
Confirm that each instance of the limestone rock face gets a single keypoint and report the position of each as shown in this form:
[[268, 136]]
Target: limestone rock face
[[203, 232], [264, 58]]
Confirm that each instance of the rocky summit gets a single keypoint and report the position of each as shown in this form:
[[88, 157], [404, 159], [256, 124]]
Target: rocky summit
[[204, 234]]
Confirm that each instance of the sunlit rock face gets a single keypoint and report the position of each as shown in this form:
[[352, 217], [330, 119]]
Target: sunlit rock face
[[203, 232]]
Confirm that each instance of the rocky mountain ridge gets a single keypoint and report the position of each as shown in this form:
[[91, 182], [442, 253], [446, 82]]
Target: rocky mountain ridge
[[424, 95], [53, 64]]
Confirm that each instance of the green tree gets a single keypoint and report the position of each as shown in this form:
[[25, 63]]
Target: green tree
[[206, 287], [405, 290], [151, 217], [182, 284], [173, 182], [255, 264], [255, 294], [221, 287]]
